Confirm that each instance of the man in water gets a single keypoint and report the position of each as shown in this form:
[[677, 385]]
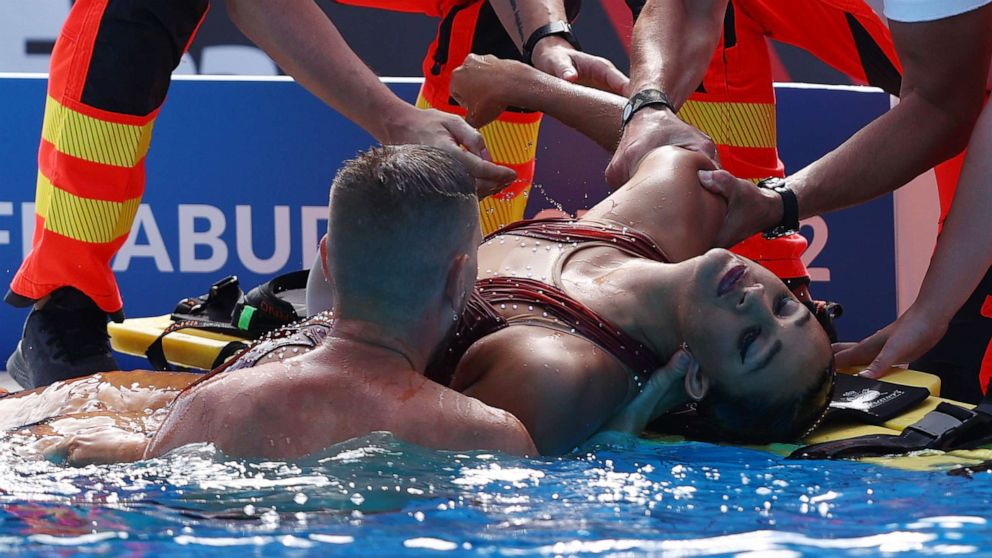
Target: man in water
[[402, 277]]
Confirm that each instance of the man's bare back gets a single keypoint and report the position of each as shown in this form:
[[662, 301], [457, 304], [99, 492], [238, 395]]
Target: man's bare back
[[336, 392]]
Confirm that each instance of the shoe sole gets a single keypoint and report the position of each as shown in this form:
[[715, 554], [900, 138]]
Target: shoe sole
[[18, 368]]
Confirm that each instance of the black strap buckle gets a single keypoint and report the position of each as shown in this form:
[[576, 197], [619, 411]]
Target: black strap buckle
[[560, 28]]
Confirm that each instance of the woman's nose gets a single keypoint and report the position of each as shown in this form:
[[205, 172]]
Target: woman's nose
[[751, 298]]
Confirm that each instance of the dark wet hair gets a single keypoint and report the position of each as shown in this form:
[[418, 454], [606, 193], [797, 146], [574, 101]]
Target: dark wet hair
[[733, 418]]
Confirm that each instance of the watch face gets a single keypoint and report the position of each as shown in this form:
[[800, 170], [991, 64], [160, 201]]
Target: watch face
[[627, 110]]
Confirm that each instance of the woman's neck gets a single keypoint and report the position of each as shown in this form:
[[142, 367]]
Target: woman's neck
[[632, 293]]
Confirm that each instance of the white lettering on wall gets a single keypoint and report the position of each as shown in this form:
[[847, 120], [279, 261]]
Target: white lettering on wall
[[27, 31], [155, 249], [246, 251], [6, 210], [27, 227], [200, 229], [236, 59], [310, 218], [190, 238], [820, 235]]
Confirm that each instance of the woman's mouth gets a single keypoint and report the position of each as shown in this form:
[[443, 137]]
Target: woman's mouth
[[731, 279]]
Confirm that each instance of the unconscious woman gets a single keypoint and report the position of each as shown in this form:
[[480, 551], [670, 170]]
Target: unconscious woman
[[570, 318]]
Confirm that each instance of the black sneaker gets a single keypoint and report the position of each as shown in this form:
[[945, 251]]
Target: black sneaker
[[66, 339]]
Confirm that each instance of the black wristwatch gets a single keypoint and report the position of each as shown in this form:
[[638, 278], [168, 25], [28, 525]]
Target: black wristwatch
[[646, 98], [790, 208], [559, 28]]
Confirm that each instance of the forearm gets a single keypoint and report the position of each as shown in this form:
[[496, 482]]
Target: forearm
[[672, 45], [303, 41], [939, 103], [594, 113], [964, 249], [880, 158], [522, 17]]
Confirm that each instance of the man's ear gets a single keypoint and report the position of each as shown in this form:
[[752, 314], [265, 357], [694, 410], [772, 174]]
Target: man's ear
[[454, 284], [696, 384], [323, 257]]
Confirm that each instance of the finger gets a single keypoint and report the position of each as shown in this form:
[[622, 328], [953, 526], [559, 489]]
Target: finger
[[600, 73], [861, 353], [58, 452], [465, 135], [717, 182], [838, 347], [490, 178]]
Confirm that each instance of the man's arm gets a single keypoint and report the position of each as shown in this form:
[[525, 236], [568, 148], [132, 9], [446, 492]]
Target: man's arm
[[554, 55], [303, 41], [945, 63], [671, 48], [962, 256]]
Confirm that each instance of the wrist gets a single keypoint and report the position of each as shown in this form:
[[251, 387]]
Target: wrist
[[555, 30], [548, 43], [644, 100], [392, 122], [788, 207]]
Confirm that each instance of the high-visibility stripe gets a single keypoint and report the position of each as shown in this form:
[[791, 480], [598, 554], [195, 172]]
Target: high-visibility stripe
[[496, 213], [92, 139], [511, 143], [733, 124], [83, 219]]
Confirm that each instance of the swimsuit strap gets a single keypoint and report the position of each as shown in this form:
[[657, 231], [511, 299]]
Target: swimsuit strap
[[573, 315], [478, 320], [569, 230]]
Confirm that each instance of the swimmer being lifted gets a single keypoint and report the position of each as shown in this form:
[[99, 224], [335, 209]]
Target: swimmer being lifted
[[401, 275]]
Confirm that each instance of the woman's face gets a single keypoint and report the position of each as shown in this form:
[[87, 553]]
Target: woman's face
[[747, 330]]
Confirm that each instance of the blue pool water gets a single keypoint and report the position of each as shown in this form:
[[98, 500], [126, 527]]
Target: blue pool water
[[378, 497]]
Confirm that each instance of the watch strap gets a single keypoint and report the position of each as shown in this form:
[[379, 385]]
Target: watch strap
[[790, 208], [642, 99], [558, 28]]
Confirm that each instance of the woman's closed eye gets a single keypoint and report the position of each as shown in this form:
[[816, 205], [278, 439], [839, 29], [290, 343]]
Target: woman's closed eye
[[786, 306], [746, 340]]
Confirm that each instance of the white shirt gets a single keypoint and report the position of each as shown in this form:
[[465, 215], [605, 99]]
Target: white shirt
[[909, 11]]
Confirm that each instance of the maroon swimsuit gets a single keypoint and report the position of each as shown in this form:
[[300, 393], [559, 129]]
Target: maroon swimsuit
[[482, 318]]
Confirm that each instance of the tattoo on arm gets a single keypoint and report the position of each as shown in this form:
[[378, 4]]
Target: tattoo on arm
[[517, 19]]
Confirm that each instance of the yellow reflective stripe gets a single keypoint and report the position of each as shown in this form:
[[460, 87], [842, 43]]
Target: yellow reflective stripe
[[42, 195], [92, 139], [83, 219], [496, 213], [510, 143], [733, 124]]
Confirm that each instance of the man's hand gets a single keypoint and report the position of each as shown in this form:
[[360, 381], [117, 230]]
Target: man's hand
[[662, 392], [478, 86], [452, 134], [749, 209], [98, 445], [651, 128], [914, 333], [555, 56]]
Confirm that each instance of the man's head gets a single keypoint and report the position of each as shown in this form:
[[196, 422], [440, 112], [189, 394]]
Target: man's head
[[402, 238], [766, 366]]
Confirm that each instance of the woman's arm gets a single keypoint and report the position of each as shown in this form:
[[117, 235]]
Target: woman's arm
[[663, 198], [486, 86]]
